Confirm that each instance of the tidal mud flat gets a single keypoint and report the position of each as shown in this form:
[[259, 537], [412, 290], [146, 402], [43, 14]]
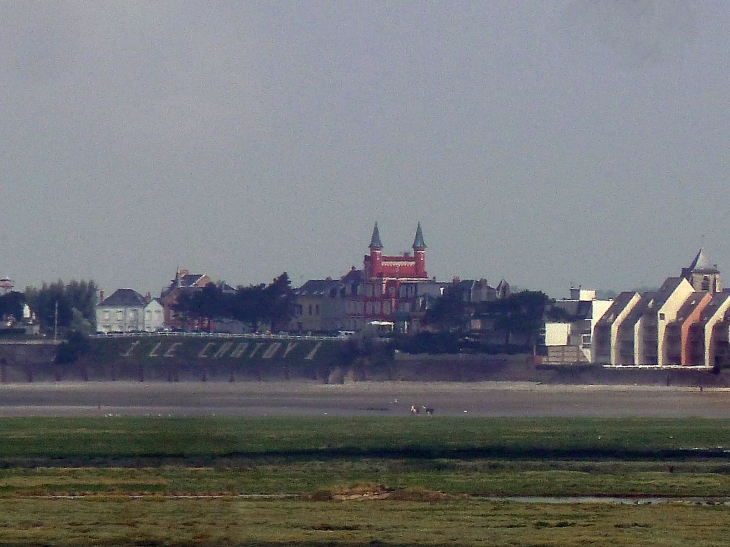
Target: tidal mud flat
[[509, 399]]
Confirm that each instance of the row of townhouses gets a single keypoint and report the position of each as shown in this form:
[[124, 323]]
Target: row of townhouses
[[684, 322]]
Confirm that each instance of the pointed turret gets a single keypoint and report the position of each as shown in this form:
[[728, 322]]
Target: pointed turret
[[418, 243], [703, 274], [375, 242], [702, 263]]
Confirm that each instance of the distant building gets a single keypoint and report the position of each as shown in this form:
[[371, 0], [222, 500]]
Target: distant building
[[390, 289], [184, 281], [128, 311], [571, 340], [6, 285], [379, 296], [685, 322]]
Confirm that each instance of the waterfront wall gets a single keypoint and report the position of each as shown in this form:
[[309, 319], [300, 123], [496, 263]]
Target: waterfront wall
[[186, 358]]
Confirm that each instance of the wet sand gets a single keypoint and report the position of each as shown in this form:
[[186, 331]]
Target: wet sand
[[359, 399]]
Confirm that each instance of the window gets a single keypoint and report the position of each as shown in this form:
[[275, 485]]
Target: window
[[661, 317], [316, 309], [705, 283], [310, 309]]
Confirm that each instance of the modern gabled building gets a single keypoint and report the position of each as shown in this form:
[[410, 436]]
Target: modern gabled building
[[682, 323], [606, 333]]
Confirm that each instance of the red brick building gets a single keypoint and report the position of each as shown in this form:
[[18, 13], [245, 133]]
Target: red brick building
[[379, 295]]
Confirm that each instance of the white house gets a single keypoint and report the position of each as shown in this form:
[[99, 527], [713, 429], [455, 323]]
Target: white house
[[154, 315], [125, 311]]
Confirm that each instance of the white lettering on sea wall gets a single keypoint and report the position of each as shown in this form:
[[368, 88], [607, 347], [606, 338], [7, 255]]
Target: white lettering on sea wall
[[289, 347], [202, 353], [222, 350], [229, 350], [311, 354], [130, 349], [271, 350], [171, 350], [239, 350], [255, 349]]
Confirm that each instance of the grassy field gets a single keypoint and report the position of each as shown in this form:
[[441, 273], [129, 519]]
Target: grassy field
[[195, 481]]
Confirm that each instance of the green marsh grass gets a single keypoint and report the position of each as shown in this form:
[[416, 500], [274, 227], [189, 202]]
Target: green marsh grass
[[134, 481]]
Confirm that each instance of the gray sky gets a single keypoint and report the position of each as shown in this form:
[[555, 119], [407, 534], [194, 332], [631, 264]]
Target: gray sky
[[546, 142]]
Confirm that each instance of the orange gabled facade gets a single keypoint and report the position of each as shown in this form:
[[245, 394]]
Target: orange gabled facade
[[687, 340]]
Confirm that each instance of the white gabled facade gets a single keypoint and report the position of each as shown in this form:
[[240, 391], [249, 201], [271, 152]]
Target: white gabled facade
[[154, 316]]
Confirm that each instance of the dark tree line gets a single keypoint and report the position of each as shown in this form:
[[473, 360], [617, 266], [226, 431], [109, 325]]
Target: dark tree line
[[11, 304], [254, 305], [520, 314], [76, 302]]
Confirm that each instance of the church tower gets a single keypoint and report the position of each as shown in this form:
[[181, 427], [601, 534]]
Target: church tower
[[702, 274], [419, 253]]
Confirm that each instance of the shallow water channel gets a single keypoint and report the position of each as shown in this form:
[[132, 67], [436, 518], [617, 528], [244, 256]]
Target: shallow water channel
[[638, 500]]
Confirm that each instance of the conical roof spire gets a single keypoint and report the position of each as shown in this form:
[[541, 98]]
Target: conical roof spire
[[702, 263], [375, 242], [418, 243]]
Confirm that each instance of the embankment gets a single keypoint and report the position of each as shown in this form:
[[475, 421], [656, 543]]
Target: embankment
[[194, 358]]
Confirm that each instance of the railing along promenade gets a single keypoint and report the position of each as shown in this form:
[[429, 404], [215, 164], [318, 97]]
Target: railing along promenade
[[247, 336]]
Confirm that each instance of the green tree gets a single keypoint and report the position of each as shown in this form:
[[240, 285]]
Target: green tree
[[79, 295], [450, 313], [249, 306], [11, 304], [521, 313], [205, 305], [73, 348], [279, 302]]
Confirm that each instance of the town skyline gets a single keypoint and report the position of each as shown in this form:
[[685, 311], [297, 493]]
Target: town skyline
[[298, 280]]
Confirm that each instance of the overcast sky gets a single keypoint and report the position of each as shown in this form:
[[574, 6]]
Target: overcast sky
[[545, 142]]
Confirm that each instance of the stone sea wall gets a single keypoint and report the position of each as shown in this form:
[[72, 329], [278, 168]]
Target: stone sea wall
[[194, 358]]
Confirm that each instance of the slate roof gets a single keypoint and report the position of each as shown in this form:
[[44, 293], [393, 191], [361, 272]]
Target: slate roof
[[694, 300], [702, 263], [619, 303], [319, 288], [718, 299], [647, 300], [666, 290], [124, 298], [190, 280], [418, 243], [375, 242]]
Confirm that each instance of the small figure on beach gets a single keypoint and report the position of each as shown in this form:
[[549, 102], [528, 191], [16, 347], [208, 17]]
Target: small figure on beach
[[416, 410]]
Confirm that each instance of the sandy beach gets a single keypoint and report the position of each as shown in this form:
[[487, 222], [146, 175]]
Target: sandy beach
[[359, 399]]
